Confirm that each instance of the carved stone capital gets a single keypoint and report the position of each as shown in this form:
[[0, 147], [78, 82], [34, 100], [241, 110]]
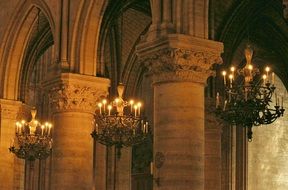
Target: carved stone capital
[[180, 58], [178, 64], [77, 93], [73, 97]]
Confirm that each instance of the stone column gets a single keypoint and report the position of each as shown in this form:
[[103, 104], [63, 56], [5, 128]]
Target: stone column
[[11, 167], [74, 99], [213, 132], [180, 66]]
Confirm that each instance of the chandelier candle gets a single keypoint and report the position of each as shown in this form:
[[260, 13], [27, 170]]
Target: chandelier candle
[[249, 96], [123, 125]]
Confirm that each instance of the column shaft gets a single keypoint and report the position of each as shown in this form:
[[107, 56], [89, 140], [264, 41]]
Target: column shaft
[[72, 151], [180, 66], [11, 168], [73, 99], [179, 134]]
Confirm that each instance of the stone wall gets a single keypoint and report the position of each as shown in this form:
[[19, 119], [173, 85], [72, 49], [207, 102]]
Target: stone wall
[[268, 152]]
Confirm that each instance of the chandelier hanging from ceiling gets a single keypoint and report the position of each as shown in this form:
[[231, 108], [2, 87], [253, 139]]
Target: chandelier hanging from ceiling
[[120, 123], [248, 95], [33, 139]]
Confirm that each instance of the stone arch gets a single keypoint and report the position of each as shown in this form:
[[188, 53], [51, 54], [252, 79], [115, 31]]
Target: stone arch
[[15, 42], [85, 37], [118, 37]]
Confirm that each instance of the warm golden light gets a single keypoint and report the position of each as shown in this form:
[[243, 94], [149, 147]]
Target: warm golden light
[[267, 69], [139, 104], [230, 76], [250, 67], [232, 69], [104, 101], [117, 126], [224, 73], [34, 140]]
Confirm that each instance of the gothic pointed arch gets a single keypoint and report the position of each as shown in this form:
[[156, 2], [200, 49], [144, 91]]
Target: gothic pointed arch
[[16, 40]]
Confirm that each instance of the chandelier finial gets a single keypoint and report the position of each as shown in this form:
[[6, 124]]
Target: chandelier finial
[[248, 54], [120, 89]]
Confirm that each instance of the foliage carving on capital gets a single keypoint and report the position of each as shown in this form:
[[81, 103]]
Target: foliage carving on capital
[[182, 64], [74, 97]]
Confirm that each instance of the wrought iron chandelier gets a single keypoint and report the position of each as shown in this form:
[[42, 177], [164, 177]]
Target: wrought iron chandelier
[[33, 139], [119, 123], [247, 96]]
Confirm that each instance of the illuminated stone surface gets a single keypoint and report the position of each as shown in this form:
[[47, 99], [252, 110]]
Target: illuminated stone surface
[[268, 152]]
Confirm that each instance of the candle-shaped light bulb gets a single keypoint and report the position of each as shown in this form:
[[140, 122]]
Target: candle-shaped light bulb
[[104, 102], [109, 109], [49, 128], [231, 80], [100, 107], [139, 108], [224, 73], [23, 122], [131, 102], [146, 124], [267, 69], [264, 79], [135, 110], [232, 69], [217, 100], [231, 77], [17, 127], [273, 78], [20, 128]]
